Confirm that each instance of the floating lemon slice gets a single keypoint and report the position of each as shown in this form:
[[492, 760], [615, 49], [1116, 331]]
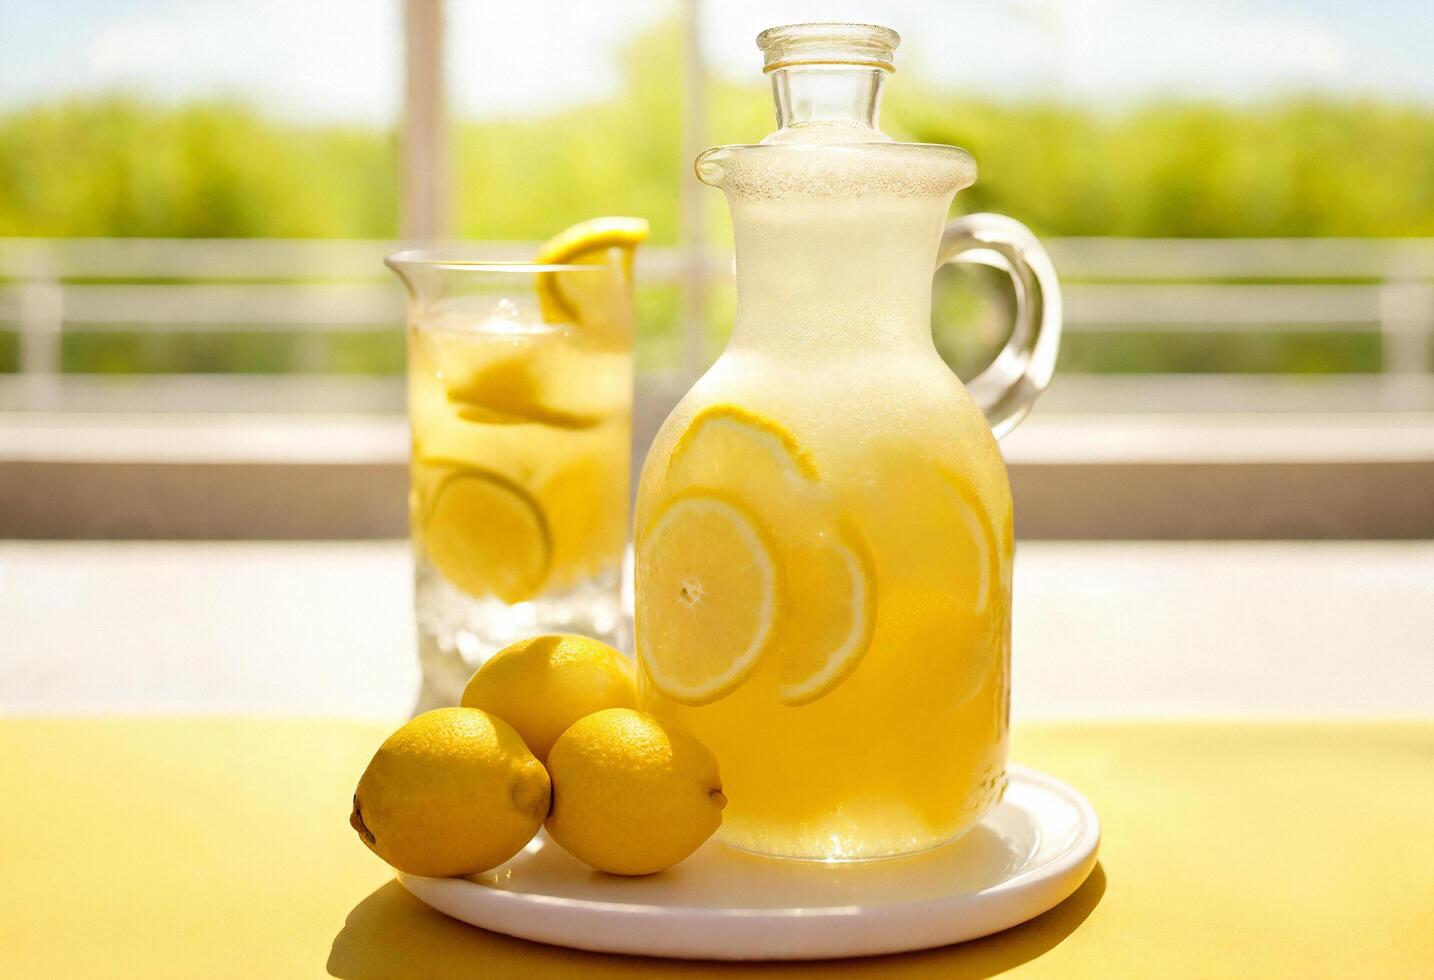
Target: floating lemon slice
[[972, 517], [587, 242], [829, 579], [724, 441], [486, 415], [586, 504], [487, 535], [508, 392], [828, 618], [710, 597]]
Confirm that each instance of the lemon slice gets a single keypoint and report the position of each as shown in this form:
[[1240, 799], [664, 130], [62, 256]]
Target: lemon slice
[[828, 617], [587, 242], [586, 504], [487, 535], [727, 445], [592, 237], [972, 518], [508, 392], [709, 600], [829, 579]]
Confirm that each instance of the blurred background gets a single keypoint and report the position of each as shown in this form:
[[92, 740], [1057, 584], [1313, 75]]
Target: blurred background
[[1181, 136], [198, 340]]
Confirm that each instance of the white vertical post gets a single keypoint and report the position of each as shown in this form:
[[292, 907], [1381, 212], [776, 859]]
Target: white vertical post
[[41, 321], [426, 173], [1406, 315], [1406, 324], [692, 196]]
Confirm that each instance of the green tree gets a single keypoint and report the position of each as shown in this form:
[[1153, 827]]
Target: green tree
[[120, 167]]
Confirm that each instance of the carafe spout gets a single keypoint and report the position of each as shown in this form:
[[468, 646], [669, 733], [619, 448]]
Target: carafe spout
[[826, 81]]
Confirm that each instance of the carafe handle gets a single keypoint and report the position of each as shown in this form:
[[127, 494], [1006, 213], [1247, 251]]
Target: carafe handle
[[1007, 388]]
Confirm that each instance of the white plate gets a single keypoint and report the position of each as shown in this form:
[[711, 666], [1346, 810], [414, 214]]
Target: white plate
[[1028, 854]]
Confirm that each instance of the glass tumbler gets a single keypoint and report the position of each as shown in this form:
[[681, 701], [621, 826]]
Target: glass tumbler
[[520, 385]]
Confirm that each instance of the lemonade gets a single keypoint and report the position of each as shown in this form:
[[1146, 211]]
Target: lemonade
[[824, 531], [869, 716], [520, 408], [519, 475]]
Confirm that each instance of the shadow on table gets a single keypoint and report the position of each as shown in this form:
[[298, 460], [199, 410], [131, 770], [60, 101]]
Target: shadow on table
[[391, 934]]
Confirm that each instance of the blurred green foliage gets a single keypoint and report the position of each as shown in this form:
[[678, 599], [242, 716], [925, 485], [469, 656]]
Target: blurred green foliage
[[1302, 167], [1123, 352], [234, 351], [1296, 167], [119, 167]]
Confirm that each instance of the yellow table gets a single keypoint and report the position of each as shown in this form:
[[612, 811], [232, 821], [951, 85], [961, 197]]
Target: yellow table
[[217, 848]]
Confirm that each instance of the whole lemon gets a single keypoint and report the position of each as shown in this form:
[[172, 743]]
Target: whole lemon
[[632, 794], [542, 685], [453, 792]]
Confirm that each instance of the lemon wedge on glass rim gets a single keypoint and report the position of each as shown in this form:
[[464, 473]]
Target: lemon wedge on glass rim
[[585, 243]]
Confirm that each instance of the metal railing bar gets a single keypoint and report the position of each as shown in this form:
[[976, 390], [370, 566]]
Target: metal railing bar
[[375, 323], [1076, 258]]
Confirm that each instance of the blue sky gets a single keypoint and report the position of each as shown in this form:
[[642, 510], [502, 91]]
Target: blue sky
[[339, 59]]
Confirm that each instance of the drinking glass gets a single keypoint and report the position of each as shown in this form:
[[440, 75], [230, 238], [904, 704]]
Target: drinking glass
[[520, 411]]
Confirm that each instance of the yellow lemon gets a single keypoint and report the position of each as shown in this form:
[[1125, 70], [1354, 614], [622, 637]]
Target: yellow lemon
[[709, 599], [453, 792], [632, 794], [542, 685], [487, 535]]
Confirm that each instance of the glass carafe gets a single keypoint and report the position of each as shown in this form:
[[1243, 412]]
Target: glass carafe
[[824, 529]]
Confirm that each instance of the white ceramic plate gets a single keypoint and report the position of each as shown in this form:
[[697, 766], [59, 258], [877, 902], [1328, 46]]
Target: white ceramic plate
[[1029, 854]]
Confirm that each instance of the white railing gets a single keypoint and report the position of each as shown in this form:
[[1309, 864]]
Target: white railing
[[50, 288]]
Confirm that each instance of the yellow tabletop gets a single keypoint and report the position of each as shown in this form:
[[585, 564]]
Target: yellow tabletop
[[217, 848]]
